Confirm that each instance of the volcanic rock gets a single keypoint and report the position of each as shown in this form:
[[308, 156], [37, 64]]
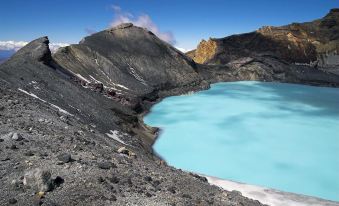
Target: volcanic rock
[[38, 179], [17, 137], [65, 157], [106, 165]]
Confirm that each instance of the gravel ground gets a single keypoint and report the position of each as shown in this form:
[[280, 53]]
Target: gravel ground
[[50, 158]]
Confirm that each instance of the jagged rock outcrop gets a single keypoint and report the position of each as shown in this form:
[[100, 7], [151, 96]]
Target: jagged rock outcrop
[[205, 51], [315, 42]]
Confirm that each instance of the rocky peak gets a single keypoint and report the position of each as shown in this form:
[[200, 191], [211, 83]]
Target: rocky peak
[[122, 26], [331, 19], [128, 28], [205, 51], [36, 50], [334, 11], [128, 59]]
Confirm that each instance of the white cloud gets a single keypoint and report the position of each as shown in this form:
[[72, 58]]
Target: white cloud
[[55, 46], [142, 21], [11, 45], [183, 49], [16, 45]]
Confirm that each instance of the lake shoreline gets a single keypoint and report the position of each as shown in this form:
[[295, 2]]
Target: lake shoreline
[[269, 196], [158, 130]]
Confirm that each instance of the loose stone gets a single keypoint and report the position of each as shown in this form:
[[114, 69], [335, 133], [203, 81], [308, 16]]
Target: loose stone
[[65, 157]]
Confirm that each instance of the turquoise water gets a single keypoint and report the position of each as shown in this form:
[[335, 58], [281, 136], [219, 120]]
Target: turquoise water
[[282, 136]]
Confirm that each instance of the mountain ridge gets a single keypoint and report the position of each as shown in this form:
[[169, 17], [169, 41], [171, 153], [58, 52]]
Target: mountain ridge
[[314, 42]]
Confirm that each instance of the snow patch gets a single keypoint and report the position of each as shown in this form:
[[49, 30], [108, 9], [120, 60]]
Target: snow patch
[[32, 95], [119, 85], [44, 101], [94, 79], [36, 87], [75, 108], [82, 78], [114, 134], [105, 75], [137, 76], [96, 61], [111, 82], [112, 88], [34, 83], [60, 109]]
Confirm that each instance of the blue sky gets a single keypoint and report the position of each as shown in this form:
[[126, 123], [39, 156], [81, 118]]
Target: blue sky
[[187, 22]]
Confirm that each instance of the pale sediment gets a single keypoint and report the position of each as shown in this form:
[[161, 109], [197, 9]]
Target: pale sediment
[[270, 196]]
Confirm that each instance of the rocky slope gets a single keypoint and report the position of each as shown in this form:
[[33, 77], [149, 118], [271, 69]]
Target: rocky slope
[[50, 158], [71, 130], [315, 43]]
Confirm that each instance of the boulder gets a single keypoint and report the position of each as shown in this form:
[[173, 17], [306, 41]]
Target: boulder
[[38, 179], [106, 165], [124, 150], [12, 201], [7, 136], [65, 157], [17, 137]]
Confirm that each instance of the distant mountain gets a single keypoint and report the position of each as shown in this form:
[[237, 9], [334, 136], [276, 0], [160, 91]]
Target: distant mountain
[[315, 42]]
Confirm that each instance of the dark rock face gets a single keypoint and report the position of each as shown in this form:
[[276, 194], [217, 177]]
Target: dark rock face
[[37, 50], [129, 60], [268, 68], [315, 42]]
